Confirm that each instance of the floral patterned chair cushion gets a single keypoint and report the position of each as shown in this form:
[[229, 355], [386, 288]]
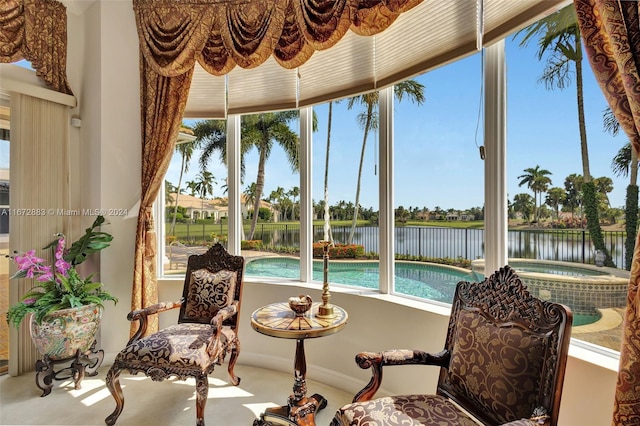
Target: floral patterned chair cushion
[[209, 292], [181, 348], [406, 410]]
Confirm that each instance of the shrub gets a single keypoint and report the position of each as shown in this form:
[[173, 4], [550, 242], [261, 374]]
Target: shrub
[[251, 244], [339, 251]]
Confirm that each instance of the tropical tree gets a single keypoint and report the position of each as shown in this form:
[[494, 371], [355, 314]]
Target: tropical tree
[[558, 37], [185, 150], [327, 235], [191, 186], [603, 185], [538, 181], [368, 119], [625, 163], [573, 188], [204, 186], [250, 197], [294, 193], [258, 131], [556, 196], [168, 189], [277, 195], [211, 138], [524, 204]]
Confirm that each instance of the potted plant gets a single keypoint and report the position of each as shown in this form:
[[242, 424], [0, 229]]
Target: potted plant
[[66, 308]]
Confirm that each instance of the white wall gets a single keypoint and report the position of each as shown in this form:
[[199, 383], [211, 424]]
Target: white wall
[[104, 49]]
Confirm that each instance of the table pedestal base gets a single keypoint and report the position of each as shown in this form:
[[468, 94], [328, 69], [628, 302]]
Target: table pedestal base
[[301, 413]]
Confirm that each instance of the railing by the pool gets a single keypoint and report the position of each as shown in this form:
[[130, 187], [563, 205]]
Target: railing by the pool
[[552, 244]]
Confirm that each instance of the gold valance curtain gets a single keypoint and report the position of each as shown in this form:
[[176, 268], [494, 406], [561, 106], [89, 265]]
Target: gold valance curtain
[[36, 30], [222, 34], [611, 34], [219, 35]]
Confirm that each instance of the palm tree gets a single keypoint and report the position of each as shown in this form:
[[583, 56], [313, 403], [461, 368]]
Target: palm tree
[[556, 197], [293, 193], [204, 186], [368, 119], [191, 186], [525, 204], [277, 195], [573, 188], [603, 185], [538, 181], [327, 224], [250, 197], [261, 131], [258, 131], [211, 137], [186, 151], [168, 189], [559, 36], [625, 163]]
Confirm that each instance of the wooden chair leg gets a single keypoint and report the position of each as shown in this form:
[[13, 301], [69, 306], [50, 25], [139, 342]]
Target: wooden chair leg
[[235, 351], [202, 391], [113, 384]]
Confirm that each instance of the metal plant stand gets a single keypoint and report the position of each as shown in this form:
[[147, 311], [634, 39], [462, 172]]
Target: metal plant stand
[[81, 364]]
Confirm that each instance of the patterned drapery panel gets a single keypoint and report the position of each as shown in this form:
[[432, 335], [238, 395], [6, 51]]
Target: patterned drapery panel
[[611, 34], [36, 30], [163, 100], [220, 35]]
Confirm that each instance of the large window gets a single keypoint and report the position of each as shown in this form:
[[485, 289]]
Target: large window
[[413, 169], [345, 186]]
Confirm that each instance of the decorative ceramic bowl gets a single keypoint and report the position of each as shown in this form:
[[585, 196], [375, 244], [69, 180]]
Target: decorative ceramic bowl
[[300, 304]]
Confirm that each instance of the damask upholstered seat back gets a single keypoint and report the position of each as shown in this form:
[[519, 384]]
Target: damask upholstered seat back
[[212, 282], [505, 349]]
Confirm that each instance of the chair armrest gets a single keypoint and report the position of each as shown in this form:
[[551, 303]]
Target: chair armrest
[[538, 418], [216, 322], [224, 313], [142, 314], [377, 360]]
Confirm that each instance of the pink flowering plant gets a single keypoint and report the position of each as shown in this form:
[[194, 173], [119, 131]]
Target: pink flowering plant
[[59, 285]]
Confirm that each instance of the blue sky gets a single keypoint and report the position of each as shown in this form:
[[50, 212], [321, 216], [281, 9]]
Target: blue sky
[[436, 158]]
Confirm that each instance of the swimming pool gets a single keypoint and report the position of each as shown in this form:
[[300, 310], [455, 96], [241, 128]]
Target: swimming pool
[[423, 280]]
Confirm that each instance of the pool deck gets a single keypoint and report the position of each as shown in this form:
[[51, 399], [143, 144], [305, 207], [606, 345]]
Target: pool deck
[[606, 332]]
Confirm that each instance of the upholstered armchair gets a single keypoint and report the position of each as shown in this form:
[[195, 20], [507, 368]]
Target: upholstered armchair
[[503, 363], [206, 331]]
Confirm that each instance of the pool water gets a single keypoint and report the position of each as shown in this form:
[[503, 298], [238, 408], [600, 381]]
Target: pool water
[[427, 281]]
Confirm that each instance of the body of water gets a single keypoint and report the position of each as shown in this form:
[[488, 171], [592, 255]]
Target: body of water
[[416, 279]]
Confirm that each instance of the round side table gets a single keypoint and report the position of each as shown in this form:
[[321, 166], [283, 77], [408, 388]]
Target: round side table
[[278, 320]]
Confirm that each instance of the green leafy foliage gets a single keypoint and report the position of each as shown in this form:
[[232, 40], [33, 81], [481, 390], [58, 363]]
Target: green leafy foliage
[[64, 288]]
